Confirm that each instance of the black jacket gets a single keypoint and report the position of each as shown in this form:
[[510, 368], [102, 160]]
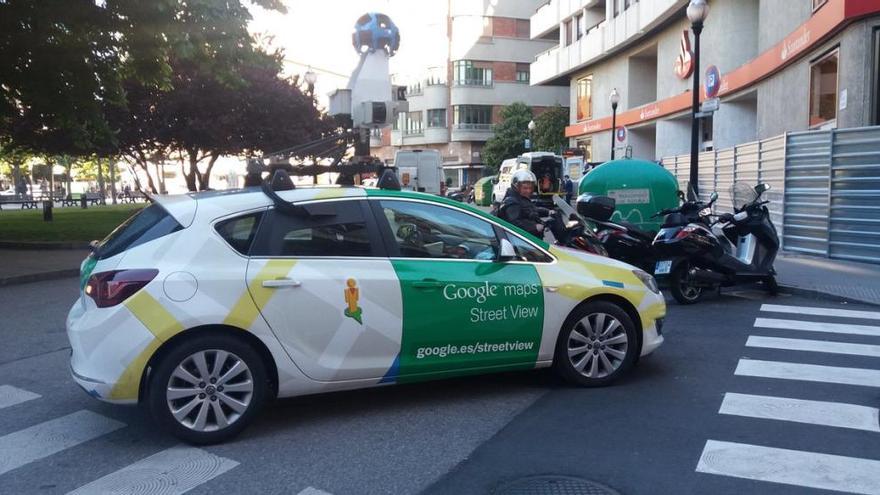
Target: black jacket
[[520, 211]]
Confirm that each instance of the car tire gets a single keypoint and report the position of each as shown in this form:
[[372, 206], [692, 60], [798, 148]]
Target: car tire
[[192, 397], [598, 343], [682, 291]]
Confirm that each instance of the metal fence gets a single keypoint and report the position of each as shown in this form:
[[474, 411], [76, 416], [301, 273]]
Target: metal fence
[[825, 196]]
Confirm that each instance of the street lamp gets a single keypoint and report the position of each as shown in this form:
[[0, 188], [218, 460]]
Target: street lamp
[[615, 99], [311, 77], [697, 12], [531, 133]]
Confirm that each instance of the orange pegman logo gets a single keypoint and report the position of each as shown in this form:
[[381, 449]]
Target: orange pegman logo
[[352, 294]]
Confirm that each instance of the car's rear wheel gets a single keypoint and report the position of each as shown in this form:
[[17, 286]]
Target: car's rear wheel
[[598, 343], [207, 389]]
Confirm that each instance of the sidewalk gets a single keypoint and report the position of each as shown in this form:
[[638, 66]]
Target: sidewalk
[[857, 282], [20, 266]]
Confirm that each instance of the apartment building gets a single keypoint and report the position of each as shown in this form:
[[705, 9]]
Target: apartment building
[[784, 65], [481, 64]]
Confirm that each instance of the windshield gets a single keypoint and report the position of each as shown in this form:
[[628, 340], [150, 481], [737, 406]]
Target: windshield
[[742, 194]]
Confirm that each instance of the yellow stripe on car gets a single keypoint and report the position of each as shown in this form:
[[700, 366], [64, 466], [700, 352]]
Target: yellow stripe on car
[[255, 298]]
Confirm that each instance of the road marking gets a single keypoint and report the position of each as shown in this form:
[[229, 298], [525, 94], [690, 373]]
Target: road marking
[[10, 396], [53, 436], [813, 326], [173, 471], [313, 491], [802, 411], [814, 346], [808, 372], [842, 313], [791, 467]]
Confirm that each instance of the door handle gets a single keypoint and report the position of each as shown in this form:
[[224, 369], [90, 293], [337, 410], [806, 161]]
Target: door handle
[[427, 284], [281, 282]]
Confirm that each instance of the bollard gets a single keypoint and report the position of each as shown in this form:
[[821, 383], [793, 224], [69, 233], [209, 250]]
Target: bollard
[[82, 202], [47, 210]]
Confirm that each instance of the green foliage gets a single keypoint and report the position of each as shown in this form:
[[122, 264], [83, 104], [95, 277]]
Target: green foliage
[[510, 136], [549, 133], [63, 62]]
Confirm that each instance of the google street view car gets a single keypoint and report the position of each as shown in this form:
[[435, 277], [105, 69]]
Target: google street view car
[[204, 306]]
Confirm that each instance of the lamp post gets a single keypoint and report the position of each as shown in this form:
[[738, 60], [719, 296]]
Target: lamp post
[[697, 12], [531, 134], [615, 99]]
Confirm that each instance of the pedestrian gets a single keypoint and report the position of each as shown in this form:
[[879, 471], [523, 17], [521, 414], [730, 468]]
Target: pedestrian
[[568, 186]]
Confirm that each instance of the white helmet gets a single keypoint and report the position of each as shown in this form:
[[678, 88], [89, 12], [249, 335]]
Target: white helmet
[[521, 176]]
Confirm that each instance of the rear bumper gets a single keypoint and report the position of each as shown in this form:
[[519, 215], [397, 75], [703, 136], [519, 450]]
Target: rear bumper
[[98, 389]]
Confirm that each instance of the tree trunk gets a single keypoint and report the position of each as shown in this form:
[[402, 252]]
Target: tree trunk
[[111, 165], [192, 172], [150, 183], [16, 175], [205, 178], [101, 189]]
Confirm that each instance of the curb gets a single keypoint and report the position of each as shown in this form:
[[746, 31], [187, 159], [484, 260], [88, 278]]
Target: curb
[[39, 277], [43, 245], [817, 294]]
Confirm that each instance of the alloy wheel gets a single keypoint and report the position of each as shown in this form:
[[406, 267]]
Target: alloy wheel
[[597, 345], [209, 390]]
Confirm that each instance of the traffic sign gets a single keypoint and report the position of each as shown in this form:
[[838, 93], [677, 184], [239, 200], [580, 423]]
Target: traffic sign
[[713, 81], [621, 134], [710, 105]]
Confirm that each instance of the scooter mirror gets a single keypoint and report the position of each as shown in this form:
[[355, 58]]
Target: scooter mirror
[[713, 197], [762, 188]]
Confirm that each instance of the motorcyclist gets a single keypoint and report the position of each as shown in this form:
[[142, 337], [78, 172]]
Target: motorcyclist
[[517, 207]]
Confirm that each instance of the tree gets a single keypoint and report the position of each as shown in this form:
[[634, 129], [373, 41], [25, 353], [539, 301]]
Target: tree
[[549, 133], [63, 62], [510, 135]]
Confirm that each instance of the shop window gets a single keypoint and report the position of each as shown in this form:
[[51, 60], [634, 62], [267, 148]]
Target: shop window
[[823, 90], [585, 98]]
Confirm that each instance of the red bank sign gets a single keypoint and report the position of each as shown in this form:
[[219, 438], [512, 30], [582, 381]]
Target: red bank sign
[[684, 63]]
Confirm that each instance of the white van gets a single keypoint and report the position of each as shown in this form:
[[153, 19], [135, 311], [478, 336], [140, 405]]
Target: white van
[[548, 169], [420, 170]]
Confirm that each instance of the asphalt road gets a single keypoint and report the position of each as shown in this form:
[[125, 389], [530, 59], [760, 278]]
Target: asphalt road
[[645, 435]]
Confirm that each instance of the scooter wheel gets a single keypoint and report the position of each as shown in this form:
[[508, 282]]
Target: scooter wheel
[[682, 288]]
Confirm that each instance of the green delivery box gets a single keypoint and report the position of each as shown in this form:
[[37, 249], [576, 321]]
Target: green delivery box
[[640, 188]]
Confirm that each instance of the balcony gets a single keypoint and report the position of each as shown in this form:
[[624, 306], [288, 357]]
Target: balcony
[[481, 83], [472, 132], [607, 36], [549, 15], [433, 95]]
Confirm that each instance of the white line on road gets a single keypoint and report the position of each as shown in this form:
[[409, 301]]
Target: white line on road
[[10, 396], [802, 411], [169, 472], [808, 372], [842, 313], [791, 467], [313, 491], [53, 436], [814, 346], [813, 326]]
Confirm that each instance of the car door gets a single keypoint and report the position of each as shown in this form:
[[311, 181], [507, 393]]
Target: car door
[[325, 287], [463, 309]]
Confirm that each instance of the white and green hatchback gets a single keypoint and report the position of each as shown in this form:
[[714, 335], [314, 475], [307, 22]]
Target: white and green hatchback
[[203, 306]]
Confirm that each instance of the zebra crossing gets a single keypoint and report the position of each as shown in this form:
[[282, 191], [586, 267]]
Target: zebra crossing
[[171, 471], [803, 468]]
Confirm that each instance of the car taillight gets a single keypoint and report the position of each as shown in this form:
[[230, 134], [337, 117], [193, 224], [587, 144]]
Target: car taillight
[[113, 287]]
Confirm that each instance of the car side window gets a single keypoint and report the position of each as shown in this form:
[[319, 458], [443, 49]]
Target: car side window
[[340, 229], [239, 232], [525, 251], [422, 230]]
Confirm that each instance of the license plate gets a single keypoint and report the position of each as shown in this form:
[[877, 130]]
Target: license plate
[[663, 267]]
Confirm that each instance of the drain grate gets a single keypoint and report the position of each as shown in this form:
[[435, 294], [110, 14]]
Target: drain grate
[[553, 485]]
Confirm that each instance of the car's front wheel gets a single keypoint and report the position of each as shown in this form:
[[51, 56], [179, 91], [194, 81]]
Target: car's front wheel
[[598, 343], [207, 389]]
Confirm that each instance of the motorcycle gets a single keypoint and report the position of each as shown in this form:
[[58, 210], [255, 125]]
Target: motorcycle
[[570, 229], [697, 254], [623, 240]]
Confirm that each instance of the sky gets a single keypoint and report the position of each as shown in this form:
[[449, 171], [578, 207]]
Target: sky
[[317, 33]]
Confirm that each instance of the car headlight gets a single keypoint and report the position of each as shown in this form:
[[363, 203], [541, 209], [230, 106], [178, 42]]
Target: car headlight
[[648, 280]]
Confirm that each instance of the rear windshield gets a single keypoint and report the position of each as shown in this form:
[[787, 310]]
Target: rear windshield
[[146, 225]]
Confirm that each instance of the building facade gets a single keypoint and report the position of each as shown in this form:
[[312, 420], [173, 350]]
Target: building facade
[[457, 98], [782, 65]]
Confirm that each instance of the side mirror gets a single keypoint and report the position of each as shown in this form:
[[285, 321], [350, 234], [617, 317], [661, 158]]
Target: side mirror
[[762, 188], [680, 195], [713, 197], [506, 251]]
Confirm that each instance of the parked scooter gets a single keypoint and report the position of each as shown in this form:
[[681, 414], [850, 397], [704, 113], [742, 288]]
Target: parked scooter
[[698, 254], [623, 240], [572, 230]]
